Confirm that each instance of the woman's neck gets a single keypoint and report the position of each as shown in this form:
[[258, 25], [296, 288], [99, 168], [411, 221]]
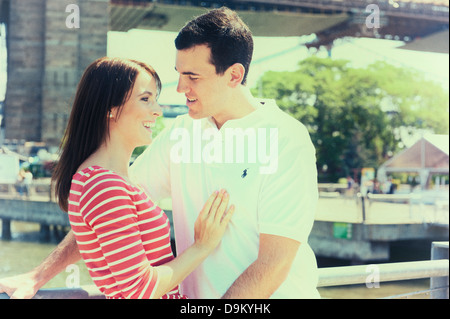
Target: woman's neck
[[112, 157]]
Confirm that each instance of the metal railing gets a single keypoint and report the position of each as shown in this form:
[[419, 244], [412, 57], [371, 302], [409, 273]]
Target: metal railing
[[376, 273], [437, 269]]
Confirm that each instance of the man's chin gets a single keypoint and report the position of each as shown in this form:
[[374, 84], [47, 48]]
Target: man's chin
[[195, 115]]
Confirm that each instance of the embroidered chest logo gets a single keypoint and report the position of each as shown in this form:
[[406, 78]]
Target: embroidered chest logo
[[244, 173]]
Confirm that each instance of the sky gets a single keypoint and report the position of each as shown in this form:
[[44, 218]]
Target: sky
[[273, 53]]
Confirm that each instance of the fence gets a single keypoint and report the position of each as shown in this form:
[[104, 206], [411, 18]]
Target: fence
[[437, 269]]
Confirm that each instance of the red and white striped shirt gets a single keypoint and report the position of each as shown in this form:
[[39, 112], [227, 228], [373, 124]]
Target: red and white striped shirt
[[120, 233]]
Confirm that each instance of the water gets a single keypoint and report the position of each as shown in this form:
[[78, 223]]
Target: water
[[386, 289], [25, 251]]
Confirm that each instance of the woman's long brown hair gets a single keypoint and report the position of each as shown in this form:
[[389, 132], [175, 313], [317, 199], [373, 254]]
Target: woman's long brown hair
[[105, 84]]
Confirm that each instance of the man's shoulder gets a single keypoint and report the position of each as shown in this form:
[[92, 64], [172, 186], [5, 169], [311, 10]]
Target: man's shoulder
[[289, 128]]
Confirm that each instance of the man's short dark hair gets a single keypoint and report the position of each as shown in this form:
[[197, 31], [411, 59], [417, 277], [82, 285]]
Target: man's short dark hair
[[228, 37]]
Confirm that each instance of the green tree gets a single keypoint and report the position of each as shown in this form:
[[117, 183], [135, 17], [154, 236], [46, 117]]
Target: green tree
[[354, 114], [416, 102]]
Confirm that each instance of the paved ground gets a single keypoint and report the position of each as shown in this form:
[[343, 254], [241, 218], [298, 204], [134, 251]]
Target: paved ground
[[349, 210]]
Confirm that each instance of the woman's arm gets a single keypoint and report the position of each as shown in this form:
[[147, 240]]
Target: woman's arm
[[106, 206], [209, 229]]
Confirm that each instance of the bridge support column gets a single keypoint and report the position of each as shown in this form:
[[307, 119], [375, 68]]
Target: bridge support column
[[68, 51], [44, 234], [46, 57], [6, 229]]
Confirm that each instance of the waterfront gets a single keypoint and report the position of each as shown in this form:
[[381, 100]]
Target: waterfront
[[25, 251]]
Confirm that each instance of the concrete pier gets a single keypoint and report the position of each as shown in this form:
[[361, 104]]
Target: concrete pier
[[44, 213], [341, 229], [338, 232]]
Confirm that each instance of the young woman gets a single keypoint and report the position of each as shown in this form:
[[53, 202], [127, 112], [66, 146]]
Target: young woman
[[123, 237]]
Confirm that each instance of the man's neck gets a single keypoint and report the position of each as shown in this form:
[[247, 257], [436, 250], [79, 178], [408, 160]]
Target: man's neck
[[242, 105]]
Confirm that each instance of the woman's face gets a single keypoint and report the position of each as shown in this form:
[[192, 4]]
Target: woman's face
[[137, 117]]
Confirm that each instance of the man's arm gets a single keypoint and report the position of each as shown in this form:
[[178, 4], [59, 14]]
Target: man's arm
[[26, 285], [286, 208], [263, 277]]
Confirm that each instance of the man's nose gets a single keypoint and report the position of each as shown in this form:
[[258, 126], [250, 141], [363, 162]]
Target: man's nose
[[181, 87]]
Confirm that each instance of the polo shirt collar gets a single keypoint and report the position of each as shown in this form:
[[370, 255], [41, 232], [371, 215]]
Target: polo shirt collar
[[264, 105]]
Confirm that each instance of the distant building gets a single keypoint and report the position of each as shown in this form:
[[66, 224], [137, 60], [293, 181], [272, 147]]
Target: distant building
[[428, 156]]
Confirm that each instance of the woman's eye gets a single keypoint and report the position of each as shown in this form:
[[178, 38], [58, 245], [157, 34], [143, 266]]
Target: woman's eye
[[145, 99]]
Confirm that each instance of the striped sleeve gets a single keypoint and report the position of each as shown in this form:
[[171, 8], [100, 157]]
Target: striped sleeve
[[106, 206]]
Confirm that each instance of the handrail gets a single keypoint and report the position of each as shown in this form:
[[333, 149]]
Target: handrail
[[349, 275], [332, 276], [393, 197]]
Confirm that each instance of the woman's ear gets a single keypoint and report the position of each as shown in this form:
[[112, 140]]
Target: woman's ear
[[237, 72], [113, 113]]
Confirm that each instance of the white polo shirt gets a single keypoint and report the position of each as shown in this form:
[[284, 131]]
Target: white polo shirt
[[266, 162]]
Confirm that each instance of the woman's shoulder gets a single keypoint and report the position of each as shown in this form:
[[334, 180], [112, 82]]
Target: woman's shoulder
[[97, 177], [91, 173]]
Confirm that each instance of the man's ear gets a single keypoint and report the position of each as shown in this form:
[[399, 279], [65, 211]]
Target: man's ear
[[237, 72]]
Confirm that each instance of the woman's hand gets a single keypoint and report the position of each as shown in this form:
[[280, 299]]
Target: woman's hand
[[212, 221], [208, 232]]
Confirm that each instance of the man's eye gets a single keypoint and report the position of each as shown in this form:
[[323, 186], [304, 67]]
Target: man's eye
[[193, 78], [145, 99]]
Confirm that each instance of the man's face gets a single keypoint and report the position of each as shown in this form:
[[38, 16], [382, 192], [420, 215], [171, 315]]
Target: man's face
[[205, 91]]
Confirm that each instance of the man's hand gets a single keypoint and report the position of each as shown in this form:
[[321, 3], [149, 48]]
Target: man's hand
[[26, 285], [19, 287]]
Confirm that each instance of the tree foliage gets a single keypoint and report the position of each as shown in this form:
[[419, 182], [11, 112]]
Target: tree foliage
[[355, 115]]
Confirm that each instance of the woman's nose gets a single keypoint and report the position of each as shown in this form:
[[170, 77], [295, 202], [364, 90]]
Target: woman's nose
[[156, 110]]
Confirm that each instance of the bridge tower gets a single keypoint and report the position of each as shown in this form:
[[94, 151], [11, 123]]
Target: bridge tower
[[46, 59]]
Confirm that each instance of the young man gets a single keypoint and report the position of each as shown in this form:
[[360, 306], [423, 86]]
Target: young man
[[261, 156]]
